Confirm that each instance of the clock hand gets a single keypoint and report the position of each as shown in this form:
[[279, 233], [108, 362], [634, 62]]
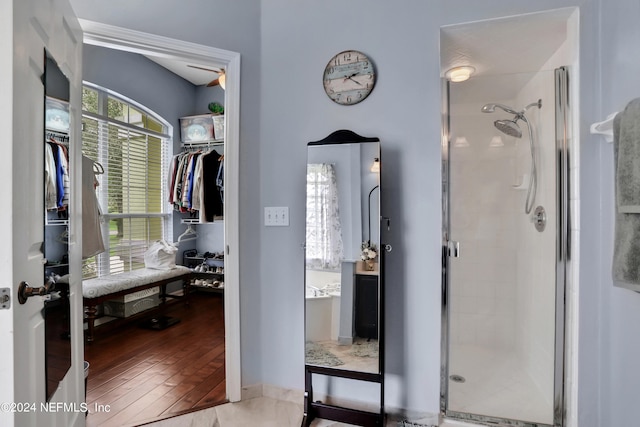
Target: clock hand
[[350, 77]]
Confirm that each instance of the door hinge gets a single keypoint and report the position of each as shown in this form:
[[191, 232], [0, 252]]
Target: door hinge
[[5, 299], [453, 249]]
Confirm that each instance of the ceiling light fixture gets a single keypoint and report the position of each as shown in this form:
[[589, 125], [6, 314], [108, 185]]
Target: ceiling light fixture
[[460, 74], [222, 80]]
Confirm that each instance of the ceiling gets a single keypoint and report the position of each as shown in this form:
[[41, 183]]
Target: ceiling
[[196, 76], [504, 49], [502, 46]]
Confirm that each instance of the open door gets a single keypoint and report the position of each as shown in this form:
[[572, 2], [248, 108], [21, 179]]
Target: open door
[[31, 31]]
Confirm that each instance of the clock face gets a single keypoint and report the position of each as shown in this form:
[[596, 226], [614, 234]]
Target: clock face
[[349, 77]]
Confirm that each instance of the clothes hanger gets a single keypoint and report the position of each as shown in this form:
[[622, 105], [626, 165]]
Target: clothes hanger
[[98, 169], [189, 234], [63, 237]]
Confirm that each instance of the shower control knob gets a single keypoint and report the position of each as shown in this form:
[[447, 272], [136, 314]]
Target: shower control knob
[[540, 218]]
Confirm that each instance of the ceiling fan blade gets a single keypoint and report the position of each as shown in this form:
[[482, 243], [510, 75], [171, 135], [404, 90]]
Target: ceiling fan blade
[[215, 82], [202, 68]]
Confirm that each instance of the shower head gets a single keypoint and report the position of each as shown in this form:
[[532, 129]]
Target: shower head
[[490, 108], [509, 127]]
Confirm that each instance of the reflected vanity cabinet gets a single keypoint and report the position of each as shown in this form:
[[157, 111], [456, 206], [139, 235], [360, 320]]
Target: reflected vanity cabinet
[[366, 305]]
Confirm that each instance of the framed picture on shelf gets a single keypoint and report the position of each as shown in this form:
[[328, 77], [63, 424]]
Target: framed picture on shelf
[[56, 114], [196, 128], [218, 127]]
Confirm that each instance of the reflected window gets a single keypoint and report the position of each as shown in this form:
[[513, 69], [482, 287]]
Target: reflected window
[[132, 144], [324, 250]]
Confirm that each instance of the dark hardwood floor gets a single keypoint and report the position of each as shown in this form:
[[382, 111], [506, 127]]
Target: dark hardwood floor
[[145, 375]]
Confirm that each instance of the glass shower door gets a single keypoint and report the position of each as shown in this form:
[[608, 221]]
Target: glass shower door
[[501, 279]]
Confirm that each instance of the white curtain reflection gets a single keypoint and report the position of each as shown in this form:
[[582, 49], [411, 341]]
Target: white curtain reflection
[[324, 249]]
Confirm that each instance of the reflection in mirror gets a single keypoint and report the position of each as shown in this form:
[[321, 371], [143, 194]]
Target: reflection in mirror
[[56, 250], [342, 281]]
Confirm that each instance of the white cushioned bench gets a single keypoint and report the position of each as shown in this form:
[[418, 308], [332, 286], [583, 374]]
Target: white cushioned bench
[[98, 290]]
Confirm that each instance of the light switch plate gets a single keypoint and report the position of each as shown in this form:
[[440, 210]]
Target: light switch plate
[[276, 216]]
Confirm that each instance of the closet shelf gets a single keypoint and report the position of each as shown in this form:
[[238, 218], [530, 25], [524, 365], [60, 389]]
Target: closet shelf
[[56, 221], [190, 221], [197, 220], [200, 144]]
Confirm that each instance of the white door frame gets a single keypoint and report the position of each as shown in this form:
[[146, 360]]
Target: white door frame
[[119, 38]]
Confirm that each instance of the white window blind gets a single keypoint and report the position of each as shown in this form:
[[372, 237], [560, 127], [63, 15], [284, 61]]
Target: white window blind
[[131, 192]]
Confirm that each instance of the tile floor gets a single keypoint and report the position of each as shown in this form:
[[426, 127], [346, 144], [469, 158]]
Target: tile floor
[[496, 385], [262, 412]]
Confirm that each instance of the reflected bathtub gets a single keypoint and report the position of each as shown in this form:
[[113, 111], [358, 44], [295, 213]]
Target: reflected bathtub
[[322, 318]]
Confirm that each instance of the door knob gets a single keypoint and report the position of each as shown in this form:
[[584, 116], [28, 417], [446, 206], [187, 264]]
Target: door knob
[[25, 291]]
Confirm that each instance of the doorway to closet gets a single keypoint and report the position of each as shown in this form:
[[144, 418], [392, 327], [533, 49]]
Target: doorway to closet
[[169, 49]]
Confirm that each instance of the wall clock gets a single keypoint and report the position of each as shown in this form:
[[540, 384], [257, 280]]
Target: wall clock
[[349, 77]]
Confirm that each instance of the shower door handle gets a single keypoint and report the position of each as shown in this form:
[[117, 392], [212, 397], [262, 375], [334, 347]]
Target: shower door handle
[[454, 249]]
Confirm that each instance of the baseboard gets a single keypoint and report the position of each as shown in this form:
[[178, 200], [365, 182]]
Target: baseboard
[[273, 392], [297, 397], [251, 392]]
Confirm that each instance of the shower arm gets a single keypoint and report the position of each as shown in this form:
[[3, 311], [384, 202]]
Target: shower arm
[[538, 104]]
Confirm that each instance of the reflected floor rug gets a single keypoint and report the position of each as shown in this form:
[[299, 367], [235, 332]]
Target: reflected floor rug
[[365, 349], [318, 355]]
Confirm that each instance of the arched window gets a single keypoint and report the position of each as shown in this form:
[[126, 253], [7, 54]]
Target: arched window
[[132, 144]]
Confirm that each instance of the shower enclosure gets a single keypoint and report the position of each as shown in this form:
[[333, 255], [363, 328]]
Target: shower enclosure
[[505, 196]]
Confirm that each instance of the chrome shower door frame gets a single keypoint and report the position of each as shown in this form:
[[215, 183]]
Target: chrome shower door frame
[[563, 255]]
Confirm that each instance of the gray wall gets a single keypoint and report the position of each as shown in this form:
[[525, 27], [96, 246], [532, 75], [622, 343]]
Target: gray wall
[[285, 45], [141, 80], [404, 112], [618, 310]]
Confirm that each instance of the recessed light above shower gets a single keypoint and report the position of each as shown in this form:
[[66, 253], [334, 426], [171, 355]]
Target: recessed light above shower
[[460, 74]]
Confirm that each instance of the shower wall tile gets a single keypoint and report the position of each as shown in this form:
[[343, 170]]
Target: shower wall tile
[[536, 261]]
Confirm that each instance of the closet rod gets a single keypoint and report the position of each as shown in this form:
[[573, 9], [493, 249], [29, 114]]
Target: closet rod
[[200, 143], [59, 136]]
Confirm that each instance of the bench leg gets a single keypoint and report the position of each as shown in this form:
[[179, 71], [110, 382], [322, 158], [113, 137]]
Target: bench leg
[[91, 312], [186, 284], [163, 293]]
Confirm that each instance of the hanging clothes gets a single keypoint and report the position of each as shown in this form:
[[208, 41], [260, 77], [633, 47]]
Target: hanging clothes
[[92, 243], [64, 162], [211, 201], [50, 188], [195, 184], [220, 178], [56, 176]]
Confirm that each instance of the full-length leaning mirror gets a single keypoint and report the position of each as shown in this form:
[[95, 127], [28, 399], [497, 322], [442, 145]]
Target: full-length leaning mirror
[[56, 249], [343, 287]]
